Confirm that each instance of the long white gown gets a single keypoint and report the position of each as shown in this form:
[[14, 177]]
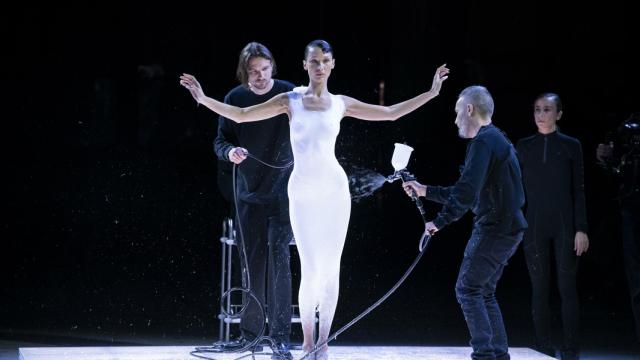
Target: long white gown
[[319, 207]]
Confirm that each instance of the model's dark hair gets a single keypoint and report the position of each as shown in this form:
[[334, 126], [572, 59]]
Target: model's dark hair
[[252, 50], [553, 97], [320, 44]]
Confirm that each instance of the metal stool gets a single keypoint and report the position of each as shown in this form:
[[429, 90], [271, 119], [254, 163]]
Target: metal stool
[[228, 241]]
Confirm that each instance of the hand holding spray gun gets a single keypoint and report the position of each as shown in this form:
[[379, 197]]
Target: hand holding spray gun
[[414, 189]]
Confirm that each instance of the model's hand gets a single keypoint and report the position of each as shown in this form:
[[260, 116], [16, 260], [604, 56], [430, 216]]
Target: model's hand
[[581, 243], [414, 188], [237, 155], [430, 229], [442, 73], [191, 84]]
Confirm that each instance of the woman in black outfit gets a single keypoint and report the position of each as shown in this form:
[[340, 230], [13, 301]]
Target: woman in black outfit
[[553, 177]]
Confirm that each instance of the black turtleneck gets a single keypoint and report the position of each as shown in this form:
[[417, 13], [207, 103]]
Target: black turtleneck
[[553, 175]]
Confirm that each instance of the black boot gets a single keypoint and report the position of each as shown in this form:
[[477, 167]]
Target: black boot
[[281, 352], [241, 342]]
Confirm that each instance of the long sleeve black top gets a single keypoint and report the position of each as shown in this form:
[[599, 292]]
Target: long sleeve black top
[[552, 170], [268, 140], [490, 185]]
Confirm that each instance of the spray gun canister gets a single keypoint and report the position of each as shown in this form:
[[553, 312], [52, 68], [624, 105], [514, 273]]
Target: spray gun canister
[[399, 161]]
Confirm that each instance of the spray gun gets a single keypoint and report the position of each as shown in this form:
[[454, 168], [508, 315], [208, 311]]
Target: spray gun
[[399, 161], [402, 174]]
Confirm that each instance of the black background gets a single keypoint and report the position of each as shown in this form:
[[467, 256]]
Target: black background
[[111, 208]]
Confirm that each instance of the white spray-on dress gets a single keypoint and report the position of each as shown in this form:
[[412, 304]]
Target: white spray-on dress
[[319, 202]]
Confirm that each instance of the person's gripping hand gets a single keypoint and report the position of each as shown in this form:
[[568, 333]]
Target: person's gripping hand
[[237, 155]]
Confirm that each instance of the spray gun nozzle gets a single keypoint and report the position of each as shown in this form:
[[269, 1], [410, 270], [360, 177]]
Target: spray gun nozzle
[[392, 178], [403, 175]]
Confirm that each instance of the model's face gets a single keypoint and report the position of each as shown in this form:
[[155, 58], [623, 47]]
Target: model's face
[[463, 119], [318, 64], [546, 115], [259, 70]]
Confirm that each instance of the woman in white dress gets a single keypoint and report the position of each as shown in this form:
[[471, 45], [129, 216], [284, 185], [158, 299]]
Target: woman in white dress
[[319, 199]]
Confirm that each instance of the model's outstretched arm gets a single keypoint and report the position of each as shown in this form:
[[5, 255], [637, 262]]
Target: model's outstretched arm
[[277, 105], [364, 111]]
